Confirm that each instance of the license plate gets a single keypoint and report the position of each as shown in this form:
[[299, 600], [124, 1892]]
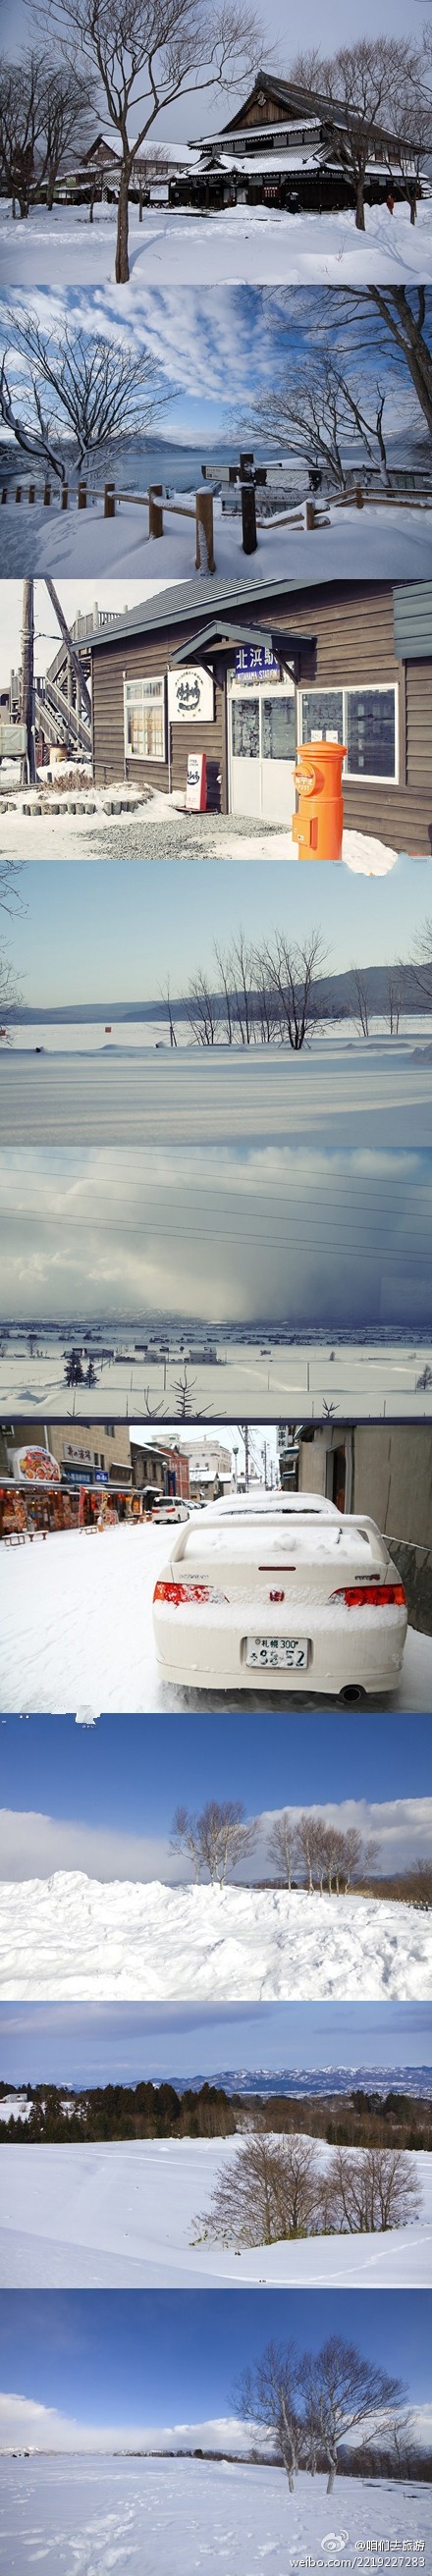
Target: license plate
[[286, 1651]]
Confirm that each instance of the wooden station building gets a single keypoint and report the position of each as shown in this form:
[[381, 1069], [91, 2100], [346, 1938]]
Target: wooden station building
[[289, 146], [247, 671]]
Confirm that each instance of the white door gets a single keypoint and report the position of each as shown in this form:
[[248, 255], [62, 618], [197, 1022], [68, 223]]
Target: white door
[[262, 743]]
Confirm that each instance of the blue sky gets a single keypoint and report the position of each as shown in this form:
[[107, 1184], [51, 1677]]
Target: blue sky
[[132, 1772], [216, 352], [115, 2357], [120, 2043], [116, 939]]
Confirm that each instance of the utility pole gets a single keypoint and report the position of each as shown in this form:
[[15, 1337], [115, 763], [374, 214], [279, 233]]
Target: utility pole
[[27, 677]]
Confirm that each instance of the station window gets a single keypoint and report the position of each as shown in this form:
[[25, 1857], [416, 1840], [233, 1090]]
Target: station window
[[365, 719], [144, 714]]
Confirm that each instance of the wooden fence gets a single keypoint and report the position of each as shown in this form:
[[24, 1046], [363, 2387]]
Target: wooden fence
[[201, 512]]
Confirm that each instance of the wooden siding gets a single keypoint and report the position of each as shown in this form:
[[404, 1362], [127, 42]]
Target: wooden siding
[[354, 646]]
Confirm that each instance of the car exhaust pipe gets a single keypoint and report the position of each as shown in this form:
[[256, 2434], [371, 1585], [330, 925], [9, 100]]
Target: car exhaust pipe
[[352, 1692]]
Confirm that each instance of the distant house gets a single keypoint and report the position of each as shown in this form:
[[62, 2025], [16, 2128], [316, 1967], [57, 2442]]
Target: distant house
[[97, 173], [263, 666], [288, 146]]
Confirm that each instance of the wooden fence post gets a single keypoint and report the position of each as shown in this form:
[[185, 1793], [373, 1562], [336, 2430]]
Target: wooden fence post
[[18, 492], [4, 492], [248, 511], [155, 511], [310, 514], [47, 495], [359, 501], [204, 555], [82, 496], [31, 491], [64, 496], [109, 501]]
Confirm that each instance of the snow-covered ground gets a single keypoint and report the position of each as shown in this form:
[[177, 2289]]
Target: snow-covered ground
[[381, 542], [245, 244], [86, 2517], [363, 1383], [85, 1939], [162, 831], [346, 1092], [125, 2216], [77, 1630]]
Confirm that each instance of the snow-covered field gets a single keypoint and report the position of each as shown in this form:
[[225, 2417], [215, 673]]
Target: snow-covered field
[[86, 2517], [113, 2217], [77, 1630], [245, 244], [394, 543], [84, 1939], [366, 1384], [345, 1092]]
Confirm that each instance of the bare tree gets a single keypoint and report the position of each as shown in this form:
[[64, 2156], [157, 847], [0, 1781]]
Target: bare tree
[[201, 1010], [342, 2393], [268, 2193], [371, 2190], [10, 998], [319, 412], [10, 891], [184, 1391], [311, 1847], [216, 1840], [166, 997], [283, 1845], [362, 996], [378, 81], [422, 959], [94, 389], [223, 964], [44, 107], [291, 973], [147, 53], [393, 1005], [242, 967], [405, 322], [269, 2395]]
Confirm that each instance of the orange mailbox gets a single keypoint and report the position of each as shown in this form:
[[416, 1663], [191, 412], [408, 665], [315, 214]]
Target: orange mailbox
[[318, 825]]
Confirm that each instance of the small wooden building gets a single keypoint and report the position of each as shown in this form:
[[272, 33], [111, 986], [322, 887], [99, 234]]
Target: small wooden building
[[245, 672]]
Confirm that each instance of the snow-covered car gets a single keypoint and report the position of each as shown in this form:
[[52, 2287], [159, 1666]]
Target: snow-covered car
[[281, 1592]]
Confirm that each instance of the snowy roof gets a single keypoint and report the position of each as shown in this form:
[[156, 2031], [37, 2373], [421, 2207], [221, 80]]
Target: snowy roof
[[306, 101]]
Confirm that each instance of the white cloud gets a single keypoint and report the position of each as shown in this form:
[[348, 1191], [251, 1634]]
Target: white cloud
[[26, 2425]]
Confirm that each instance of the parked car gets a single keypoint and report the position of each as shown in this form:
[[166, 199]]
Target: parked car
[[280, 1592]]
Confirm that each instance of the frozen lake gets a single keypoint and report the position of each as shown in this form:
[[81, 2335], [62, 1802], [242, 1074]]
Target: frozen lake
[[124, 2216], [96, 1087], [77, 1631]]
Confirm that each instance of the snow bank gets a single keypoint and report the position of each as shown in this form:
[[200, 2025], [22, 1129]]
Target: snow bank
[[124, 2216], [246, 244], [72, 1936], [377, 543], [147, 2514], [72, 1604], [94, 1093]]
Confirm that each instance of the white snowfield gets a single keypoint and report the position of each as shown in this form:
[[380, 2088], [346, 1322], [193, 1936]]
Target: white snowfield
[[69, 1601], [185, 2516], [374, 1093], [362, 1383], [390, 543], [124, 2216], [74, 1937], [86, 836], [243, 245]]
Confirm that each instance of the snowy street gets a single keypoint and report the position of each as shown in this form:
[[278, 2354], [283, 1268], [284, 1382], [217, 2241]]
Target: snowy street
[[244, 245], [77, 1631], [123, 2216], [352, 1093], [74, 1937], [93, 2515]]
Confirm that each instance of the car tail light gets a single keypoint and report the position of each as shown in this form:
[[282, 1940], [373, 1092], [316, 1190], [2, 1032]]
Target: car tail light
[[178, 1592], [375, 1594]]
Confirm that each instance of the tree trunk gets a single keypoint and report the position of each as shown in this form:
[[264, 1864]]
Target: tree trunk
[[360, 212], [330, 2481], [27, 682], [413, 210], [122, 259]]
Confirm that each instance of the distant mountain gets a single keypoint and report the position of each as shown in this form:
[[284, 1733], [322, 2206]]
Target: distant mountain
[[295, 2081], [334, 995]]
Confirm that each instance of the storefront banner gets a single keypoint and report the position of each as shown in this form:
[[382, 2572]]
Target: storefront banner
[[256, 662], [35, 1467], [190, 696]]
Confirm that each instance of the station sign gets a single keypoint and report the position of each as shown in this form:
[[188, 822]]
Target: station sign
[[191, 696], [256, 662]]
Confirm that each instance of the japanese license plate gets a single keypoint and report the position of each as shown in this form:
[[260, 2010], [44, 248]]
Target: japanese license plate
[[286, 1651]]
